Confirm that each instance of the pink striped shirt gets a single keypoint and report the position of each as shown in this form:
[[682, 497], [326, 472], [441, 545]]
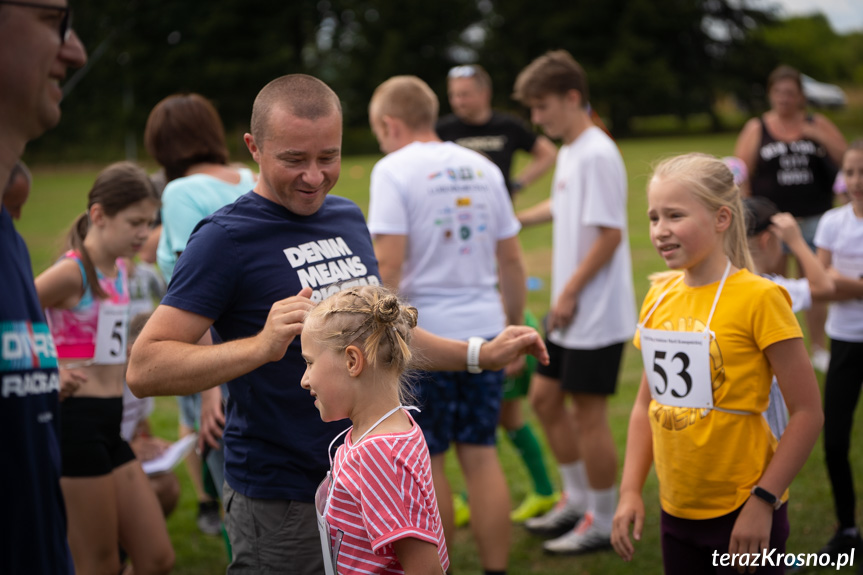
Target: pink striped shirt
[[383, 492]]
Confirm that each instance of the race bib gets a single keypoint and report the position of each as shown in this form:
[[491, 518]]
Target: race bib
[[111, 333], [677, 364]]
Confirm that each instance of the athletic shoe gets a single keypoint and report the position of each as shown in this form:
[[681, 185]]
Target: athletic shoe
[[842, 542], [209, 521], [461, 510], [559, 520], [585, 538], [820, 359], [532, 506]]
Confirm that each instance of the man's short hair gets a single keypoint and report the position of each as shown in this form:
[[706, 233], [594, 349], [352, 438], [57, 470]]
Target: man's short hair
[[407, 98], [474, 71], [555, 72], [302, 95]]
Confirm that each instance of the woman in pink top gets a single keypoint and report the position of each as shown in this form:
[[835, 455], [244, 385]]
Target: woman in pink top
[[377, 510], [109, 502]]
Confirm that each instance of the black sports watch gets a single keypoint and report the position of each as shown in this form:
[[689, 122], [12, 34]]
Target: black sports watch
[[767, 497]]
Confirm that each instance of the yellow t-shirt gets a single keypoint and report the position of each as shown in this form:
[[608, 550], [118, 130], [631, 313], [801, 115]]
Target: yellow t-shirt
[[708, 461]]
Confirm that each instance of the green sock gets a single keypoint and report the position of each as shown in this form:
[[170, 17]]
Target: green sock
[[528, 447]]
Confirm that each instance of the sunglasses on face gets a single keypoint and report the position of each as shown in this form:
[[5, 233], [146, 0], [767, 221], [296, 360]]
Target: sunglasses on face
[[65, 28]]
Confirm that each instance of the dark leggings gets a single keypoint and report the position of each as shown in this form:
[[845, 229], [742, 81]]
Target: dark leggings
[[841, 393], [696, 546]]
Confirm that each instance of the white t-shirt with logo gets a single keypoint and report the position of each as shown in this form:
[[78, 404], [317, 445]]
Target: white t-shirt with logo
[[453, 206], [840, 232], [588, 192]]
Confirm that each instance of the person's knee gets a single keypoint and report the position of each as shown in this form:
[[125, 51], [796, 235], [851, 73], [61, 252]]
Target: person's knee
[[591, 412], [158, 563], [547, 402], [167, 488]]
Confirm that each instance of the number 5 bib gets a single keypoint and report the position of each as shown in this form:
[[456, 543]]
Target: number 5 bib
[[677, 363], [111, 333]]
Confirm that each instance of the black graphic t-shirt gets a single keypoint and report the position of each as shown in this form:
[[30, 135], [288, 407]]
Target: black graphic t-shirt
[[498, 139]]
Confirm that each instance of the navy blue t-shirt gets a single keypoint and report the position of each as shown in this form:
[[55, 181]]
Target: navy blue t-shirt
[[33, 536], [237, 264]]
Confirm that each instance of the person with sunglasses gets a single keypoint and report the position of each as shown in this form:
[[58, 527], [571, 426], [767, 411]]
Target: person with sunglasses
[[37, 47], [473, 124]]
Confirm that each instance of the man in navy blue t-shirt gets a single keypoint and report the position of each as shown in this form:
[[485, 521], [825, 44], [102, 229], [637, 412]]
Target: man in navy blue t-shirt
[[253, 270], [36, 48]]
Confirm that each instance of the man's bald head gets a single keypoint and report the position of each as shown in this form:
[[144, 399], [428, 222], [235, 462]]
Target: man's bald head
[[302, 95]]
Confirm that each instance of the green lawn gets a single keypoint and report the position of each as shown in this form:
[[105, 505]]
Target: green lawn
[[60, 193]]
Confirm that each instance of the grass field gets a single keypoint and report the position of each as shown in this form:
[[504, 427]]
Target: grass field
[[60, 193]]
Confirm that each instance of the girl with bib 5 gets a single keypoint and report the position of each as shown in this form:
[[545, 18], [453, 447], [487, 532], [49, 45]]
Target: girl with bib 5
[[377, 510], [109, 502], [711, 338]]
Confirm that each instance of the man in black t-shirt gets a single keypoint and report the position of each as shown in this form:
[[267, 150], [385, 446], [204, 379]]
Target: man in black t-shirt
[[473, 124]]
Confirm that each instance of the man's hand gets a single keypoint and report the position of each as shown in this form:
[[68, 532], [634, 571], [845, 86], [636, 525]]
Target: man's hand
[[70, 381], [514, 341], [563, 311], [284, 323], [212, 419]]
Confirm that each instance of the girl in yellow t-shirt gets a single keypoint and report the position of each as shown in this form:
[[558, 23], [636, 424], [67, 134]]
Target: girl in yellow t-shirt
[[711, 338]]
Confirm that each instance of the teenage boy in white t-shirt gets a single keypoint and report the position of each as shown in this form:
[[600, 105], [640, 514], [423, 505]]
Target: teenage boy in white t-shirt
[[592, 310], [443, 228]]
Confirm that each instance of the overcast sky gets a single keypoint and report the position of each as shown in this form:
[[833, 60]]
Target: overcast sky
[[844, 15]]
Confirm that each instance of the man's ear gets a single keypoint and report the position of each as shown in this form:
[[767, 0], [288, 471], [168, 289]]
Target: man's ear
[[355, 360], [252, 145]]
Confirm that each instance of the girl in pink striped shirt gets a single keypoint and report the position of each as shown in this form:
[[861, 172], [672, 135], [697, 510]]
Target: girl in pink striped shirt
[[377, 511]]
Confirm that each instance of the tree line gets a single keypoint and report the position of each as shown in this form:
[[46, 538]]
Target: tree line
[[643, 57]]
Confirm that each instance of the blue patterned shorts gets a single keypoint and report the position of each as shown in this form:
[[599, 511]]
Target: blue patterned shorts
[[459, 407]]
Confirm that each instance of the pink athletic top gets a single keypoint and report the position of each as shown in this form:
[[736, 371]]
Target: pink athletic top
[[75, 330], [383, 492]]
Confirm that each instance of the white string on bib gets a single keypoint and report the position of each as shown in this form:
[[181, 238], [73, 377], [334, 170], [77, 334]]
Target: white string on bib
[[707, 404]]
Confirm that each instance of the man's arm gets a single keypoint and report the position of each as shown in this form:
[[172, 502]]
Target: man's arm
[[437, 353], [390, 252], [166, 359], [543, 154], [513, 281], [599, 254], [537, 214]]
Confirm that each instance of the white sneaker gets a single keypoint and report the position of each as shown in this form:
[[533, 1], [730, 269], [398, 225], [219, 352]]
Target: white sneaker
[[820, 359], [562, 518], [585, 538]]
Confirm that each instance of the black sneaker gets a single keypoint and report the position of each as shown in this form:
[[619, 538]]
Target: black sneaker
[[209, 521], [842, 543]]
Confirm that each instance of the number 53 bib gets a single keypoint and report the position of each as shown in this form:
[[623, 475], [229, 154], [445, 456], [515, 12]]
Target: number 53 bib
[[677, 363]]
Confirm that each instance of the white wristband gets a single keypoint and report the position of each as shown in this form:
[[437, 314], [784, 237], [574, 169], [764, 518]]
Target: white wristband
[[473, 345]]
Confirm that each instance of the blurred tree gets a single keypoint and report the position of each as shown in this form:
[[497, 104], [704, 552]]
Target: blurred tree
[[642, 57]]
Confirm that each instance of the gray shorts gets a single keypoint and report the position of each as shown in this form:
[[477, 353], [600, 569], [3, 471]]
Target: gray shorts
[[272, 535]]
